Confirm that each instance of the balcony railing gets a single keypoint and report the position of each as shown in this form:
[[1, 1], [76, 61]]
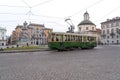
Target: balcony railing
[[118, 31], [103, 35], [112, 34]]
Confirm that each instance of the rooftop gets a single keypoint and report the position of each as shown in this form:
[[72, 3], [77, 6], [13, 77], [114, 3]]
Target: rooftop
[[86, 22], [33, 24], [111, 20], [1, 28]]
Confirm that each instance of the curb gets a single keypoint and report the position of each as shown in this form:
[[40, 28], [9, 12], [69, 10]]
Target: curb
[[17, 51]]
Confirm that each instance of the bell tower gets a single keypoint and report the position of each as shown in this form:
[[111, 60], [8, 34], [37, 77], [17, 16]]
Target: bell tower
[[86, 16]]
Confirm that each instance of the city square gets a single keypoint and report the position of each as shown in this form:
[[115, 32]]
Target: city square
[[59, 40], [100, 63]]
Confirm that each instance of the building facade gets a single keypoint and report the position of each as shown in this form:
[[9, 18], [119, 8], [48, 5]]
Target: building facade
[[88, 27], [37, 34], [15, 37], [2, 36], [32, 34], [110, 31]]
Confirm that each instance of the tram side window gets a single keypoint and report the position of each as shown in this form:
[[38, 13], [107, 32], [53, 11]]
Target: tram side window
[[65, 37], [88, 38], [80, 38], [52, 39], [57, 38], [94, 38], [84, 38], [73, 38], [61, 38], [91, 39], [76, 38], [68, 38]]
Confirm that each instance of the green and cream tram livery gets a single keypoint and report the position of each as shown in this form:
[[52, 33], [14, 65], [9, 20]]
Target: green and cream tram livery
[[63, 41]]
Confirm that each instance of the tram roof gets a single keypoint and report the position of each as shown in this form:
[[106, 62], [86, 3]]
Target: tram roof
[[73, 34]]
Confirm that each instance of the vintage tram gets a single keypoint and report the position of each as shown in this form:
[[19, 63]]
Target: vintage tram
[[65, 41]]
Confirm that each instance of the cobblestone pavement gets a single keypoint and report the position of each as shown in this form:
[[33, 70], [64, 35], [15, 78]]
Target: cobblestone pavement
[[101, 63]]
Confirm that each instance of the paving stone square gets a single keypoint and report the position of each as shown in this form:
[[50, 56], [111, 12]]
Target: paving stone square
[[100, 63]]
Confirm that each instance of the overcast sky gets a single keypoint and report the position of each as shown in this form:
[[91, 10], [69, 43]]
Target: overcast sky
[[52, 13]]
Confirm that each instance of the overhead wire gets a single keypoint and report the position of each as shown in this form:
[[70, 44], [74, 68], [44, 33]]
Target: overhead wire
[[42, 3], [87, 7], [7, 13], [110, 12], [26, 3], [14, 6], [48, 16], [30, 12], [12, 13]]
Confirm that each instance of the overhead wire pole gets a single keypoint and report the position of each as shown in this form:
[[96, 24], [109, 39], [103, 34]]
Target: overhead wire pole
[[29, 13], [30, 7]]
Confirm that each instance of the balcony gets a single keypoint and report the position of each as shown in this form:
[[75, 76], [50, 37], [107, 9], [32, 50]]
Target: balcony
[[118, 31], [112, 34], [103, 35]]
